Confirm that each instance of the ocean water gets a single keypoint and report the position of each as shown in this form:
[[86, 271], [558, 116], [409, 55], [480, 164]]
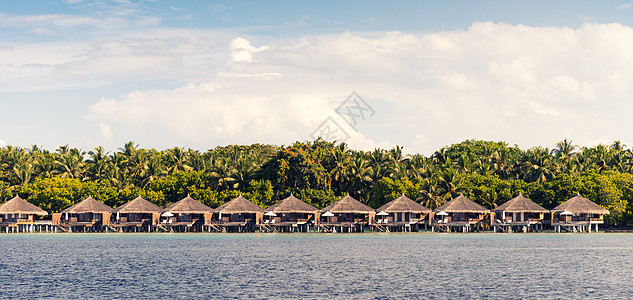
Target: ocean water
[[316, 266]]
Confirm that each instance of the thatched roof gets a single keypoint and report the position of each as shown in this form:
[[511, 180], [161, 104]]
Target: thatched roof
[[88, 205], [403, 204], [347, 204], [579, 204], [462, 204], [520, 204], [138, 205], [291, 205], [18, 205], [239, 205], [188, 205]]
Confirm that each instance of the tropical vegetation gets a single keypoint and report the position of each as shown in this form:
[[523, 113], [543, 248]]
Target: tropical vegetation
[[319, 172]]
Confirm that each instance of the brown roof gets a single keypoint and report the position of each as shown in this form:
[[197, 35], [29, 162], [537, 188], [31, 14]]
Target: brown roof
[[291, 205], [521, 204], [138, 205], [462, 204], [88, 205], [239, 205], [579, 204], [188, 205], [403, 204], [18, 205], [347, 204]]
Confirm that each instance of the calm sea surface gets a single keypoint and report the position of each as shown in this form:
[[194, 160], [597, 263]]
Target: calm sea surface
[[316, 266]]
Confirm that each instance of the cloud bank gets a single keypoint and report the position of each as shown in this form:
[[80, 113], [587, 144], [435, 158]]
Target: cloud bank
[[524, 85], [520, 84]]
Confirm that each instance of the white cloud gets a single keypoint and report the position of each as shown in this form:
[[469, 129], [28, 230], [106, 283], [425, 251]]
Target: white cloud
[[209, 115], [105, 130], [2, 143], [624, 6], [49, 19], [521, 84], [170, 54], [242, 51], [43, 31]]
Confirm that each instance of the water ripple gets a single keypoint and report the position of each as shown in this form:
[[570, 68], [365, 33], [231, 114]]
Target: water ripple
[[316, 266]]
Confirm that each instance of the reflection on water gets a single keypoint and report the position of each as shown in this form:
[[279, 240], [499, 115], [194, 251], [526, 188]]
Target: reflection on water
[[316, 266]]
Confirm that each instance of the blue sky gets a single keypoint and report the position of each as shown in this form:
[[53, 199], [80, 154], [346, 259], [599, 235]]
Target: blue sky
[[200, 74]]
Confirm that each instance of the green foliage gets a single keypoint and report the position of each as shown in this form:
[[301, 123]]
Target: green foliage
[[5, 192], [226, 196], [320, 172], [260, 192], [300, 166], [476, 149], [316, 198], [490, 191], [388, 189], [54, 194]]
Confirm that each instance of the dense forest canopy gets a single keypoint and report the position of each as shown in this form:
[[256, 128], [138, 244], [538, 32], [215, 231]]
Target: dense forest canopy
[[319, 172]]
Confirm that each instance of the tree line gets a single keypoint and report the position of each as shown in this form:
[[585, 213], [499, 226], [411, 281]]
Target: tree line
[[319, 172]]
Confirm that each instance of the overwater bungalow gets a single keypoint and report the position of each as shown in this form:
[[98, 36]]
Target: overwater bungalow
[[347, 215], [401, 214], [137, 215], [461, 213], [188, 214], [290, 215], [87, 215], [577, 215], [17, 215], [518, 213], [239, 215]]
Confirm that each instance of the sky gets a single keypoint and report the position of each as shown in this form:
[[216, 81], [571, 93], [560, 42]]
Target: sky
[[374, 74]]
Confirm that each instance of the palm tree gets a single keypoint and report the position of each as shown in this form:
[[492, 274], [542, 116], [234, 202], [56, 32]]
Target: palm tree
[[432, 194], [70, 163], [581, 161], [128, 149], [137, 166], [599, 156], [244, 167], [465, 164], [97, 164], [340, 160], [398, 161], [538, 165], [223, 174], [564, 149], [617, 146], [420, 167], [483, 166], [380, 164], [198, 161], [178, 160], [564, 153], [359, 179], [116, 171], [45, 164], [492, 198], [504, 164], [154, 168], [450, 183], [23, 171], [618, 160]]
